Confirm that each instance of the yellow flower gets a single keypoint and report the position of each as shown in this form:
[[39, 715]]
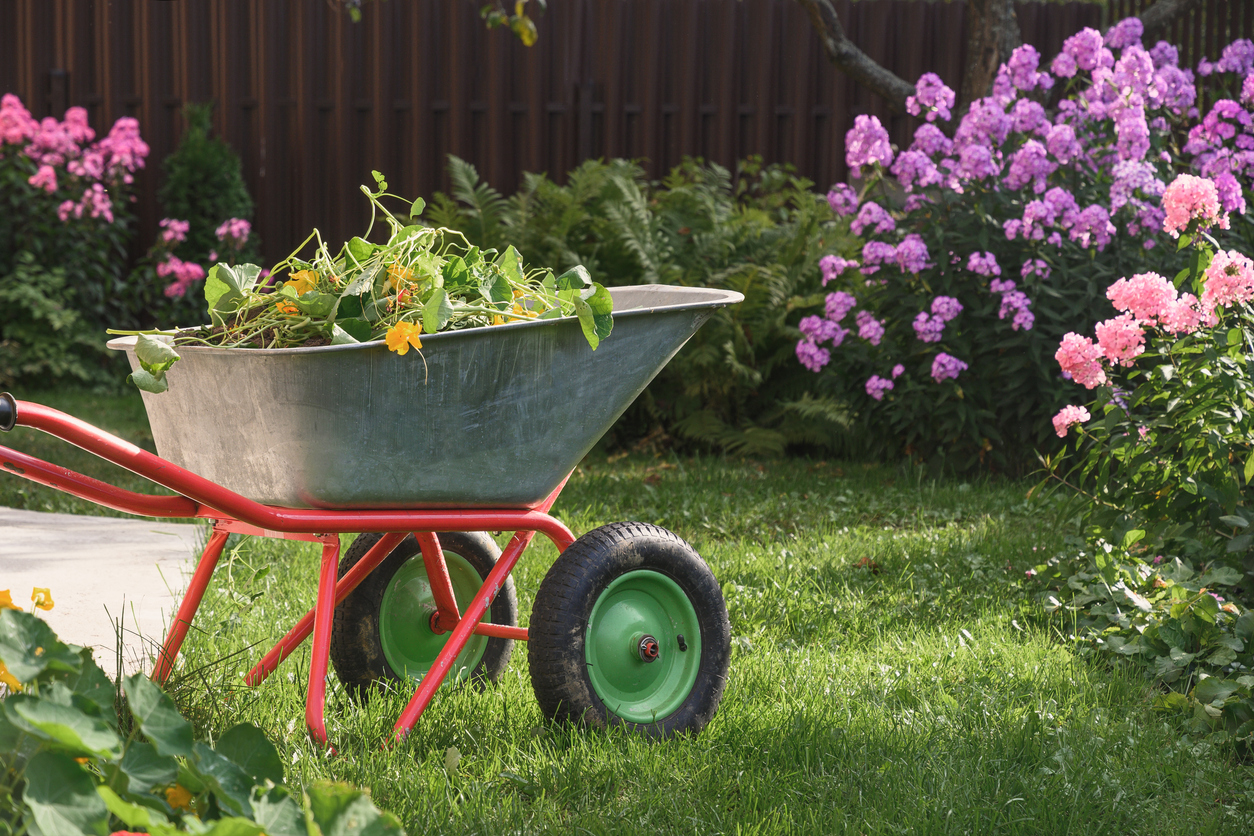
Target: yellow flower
[[398, 276], [9, 679], [179, 797], [302, 282], [6, 601], [498, 320], [286, 308], [521, 311], [402, 335], [42, 598]]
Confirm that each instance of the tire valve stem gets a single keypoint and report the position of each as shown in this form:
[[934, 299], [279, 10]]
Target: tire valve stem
[[683, 645], [648, 649]]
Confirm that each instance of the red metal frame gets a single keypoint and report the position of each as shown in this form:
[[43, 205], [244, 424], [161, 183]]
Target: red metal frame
[[233, 513]]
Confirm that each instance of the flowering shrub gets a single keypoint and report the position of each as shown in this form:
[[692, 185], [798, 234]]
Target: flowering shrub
[[983, 248], [64, 228]]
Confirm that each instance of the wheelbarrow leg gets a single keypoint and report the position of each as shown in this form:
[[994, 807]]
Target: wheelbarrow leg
[[461, 634], [324, 615], [446, 614], [191, 603]]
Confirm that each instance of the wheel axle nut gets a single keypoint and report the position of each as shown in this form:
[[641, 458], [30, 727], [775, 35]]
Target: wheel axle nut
[[648, 648]]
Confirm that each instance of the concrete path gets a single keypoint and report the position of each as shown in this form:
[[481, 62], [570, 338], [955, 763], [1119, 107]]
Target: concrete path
[[100, 570]]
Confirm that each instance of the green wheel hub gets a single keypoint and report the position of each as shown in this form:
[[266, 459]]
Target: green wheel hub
[[634, 606], [409, 644]]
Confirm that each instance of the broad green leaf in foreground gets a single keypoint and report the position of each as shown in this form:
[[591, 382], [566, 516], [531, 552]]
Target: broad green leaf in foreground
[[62, 797], [28, 647], [157, 717]]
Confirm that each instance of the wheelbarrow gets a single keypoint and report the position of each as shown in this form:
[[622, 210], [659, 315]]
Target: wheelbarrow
[[426, 455]]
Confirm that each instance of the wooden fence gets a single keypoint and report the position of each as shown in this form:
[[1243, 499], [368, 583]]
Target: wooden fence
[[312, 102]]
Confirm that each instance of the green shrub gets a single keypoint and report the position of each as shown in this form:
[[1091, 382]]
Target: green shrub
[[735, 386]]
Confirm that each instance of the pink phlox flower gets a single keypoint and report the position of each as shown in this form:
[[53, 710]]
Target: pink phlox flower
[[17, 126], [67, 208], [843, 199], [234, 231], [946, 308], [123, 150], [1092, 227], [930, 140], [867, 143], [1190, 199], [90, 165], [931, 95], [51, 144], [1033, 266], [911, 255], [1068, 417], [1081, 360], [986, 124], [45, 178], [812, 356], [869, 328], [875, 253], [876, 386], [1122, 340], [1125, 33], [1229, 280], [1134, 72], [75, 125], [1143, 296], [1182, 315], [984, 264], [838, 304], [174, 231], [928, 328], [898, 370], [833, 265], [872, 214], [1030, 164], [946, 367]]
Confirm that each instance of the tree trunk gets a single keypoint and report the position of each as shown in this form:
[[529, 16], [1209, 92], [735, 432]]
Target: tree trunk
[[992, 34], [852, 61], [1159, 16]]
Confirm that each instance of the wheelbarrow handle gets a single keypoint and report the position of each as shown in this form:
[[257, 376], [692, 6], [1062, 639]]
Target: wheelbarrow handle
[[8, 412]]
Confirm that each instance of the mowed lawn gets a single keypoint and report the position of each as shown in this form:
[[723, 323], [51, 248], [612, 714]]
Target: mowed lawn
[[891, 672]]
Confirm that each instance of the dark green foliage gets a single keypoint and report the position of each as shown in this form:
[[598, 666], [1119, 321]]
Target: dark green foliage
[[204, 186], [737, 385]]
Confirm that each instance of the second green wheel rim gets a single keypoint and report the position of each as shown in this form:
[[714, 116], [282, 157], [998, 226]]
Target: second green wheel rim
[[409, 644], [634, 605]]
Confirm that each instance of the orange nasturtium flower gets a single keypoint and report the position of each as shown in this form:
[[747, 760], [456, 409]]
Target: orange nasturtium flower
[[302, 282], [6, 601], [42, 598], [179, 797], [402, 335], [9, 679], [286, 307]]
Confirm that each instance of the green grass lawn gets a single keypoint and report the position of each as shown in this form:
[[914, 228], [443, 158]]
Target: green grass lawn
[[891, 673]]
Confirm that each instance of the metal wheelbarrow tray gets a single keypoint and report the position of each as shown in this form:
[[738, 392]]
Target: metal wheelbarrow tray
[[629, 627]]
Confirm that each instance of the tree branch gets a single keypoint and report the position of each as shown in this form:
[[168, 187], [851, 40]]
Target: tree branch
[[852, 61], [1159, 16]]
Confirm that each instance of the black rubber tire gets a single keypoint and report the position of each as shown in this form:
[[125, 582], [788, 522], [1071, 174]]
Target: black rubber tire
[[356, 652], [564, 603]]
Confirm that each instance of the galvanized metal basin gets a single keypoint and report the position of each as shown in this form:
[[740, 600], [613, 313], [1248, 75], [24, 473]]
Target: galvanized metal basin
[[495, 418]]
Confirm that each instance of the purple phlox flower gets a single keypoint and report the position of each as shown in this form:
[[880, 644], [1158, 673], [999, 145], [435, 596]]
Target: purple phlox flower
[[898, 370], [1063, 65], [984, 264], [986, 123], [1012, 227], [931, 95], [1003, 91], [1134, 71], [843, 199], [1238, 57], [930, 140], [1093, 227], [1033, 266], [838, 304], [876, 386], [1231, 197], [1030, 164], [912, 254], [946, 367], [1017, 302], [833, 265], [916, 201], [946, 308], [1176, 89], [1029, 117], [1062, 143], [872, 214], [1055, 238], [1085, 47], [1247, 90], [1001, 286], [869, 328], [875, 253], [1130, 127], [820, 330], [812, 356], [928, 328], [1036, 216], [1022, 67], [1164, 55], [975, 162], [1125, 33], [1204, 67], [1130, 176], [867, 143], [914, 168]]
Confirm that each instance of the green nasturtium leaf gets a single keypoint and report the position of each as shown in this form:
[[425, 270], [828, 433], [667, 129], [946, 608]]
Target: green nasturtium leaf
[[360, 249], [66, 727], [28, 647], [511, 264], [62, 797], [456, 273], [247, 747], [146, 769], [576, 278], [131, 815], [342, 810], [228, 781], [436, 311], [415, 208], [495, 288], [278, 813], [1214, 688], [157, 717], [155, 359], [341, 337], [595, 312]]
